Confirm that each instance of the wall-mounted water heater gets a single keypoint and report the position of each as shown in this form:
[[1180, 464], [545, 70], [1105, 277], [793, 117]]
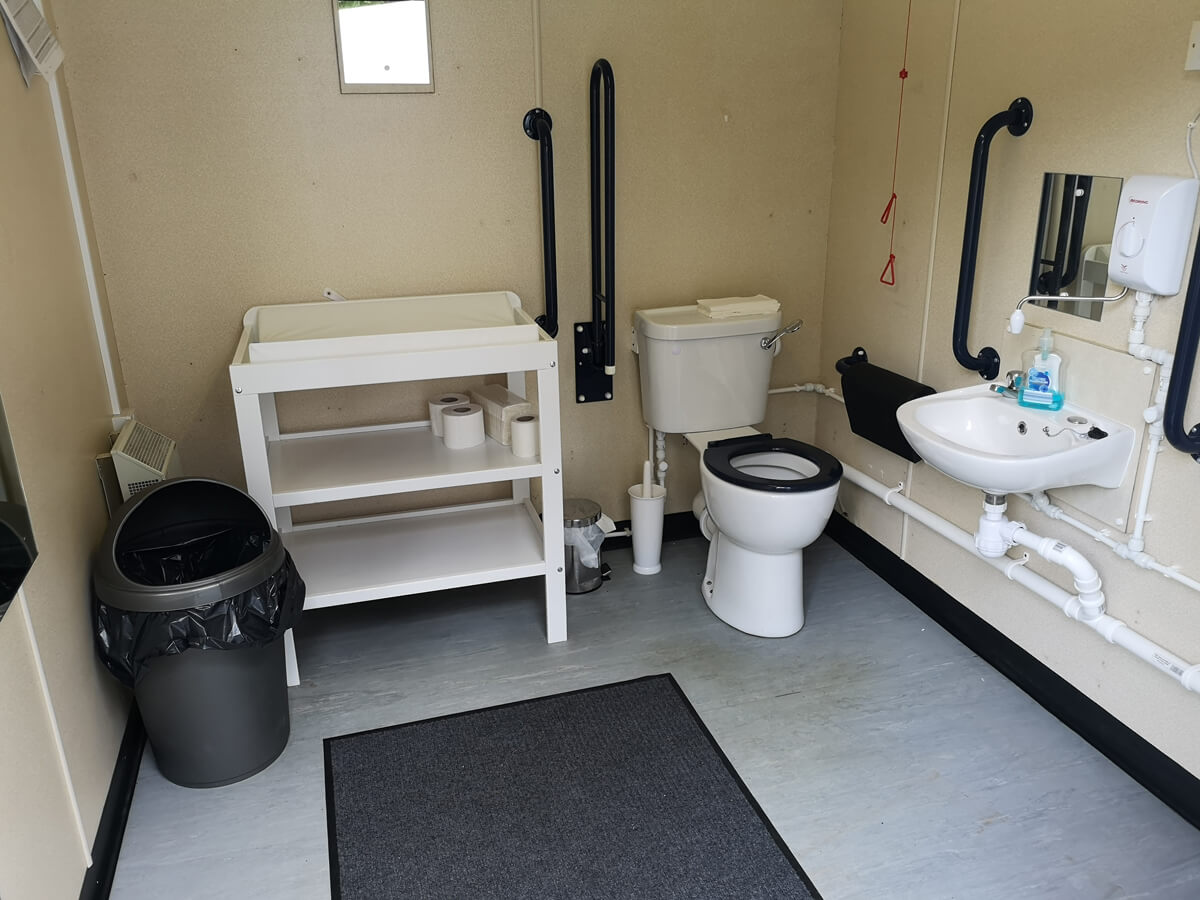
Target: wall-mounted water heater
[[1151, 234]]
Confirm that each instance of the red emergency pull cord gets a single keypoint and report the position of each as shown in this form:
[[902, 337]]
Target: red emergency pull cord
[[889, 271], [888, 276], [887, 210]]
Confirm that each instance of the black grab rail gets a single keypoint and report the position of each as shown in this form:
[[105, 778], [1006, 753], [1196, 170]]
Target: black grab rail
[[1017, 118], [595, 341], [602, 290], [537, 125], [1182, 369]]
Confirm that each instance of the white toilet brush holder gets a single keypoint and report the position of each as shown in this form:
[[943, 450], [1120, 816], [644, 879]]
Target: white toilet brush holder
[[646, 523]]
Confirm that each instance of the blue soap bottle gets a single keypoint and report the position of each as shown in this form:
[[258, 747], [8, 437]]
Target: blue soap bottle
[[1041, 385]]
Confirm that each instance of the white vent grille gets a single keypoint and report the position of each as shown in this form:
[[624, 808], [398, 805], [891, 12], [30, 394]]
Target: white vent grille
[[149, 447], [142, 458], [37, 48]]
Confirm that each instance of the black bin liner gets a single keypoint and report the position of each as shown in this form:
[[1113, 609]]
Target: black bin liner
[[190, 565]]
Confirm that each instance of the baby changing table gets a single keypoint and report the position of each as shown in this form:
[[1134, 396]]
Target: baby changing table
[[306, 346]]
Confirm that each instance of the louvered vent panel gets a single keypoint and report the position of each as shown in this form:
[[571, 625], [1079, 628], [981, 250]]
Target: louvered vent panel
[[149, 447]]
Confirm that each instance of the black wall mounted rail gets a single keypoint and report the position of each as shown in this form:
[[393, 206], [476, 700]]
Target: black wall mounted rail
[[1017, 119], [1183, 368], [595, 341], [537, 125]]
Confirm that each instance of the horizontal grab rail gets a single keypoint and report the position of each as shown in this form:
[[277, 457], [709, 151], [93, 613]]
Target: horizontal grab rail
[[1017, 119]]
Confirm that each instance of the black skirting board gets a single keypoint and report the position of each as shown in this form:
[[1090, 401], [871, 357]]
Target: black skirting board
[[872, 396]]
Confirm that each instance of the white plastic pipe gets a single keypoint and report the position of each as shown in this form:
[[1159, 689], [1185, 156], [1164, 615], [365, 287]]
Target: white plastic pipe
[[1153, 416], [1113, 630], [810, 388], [1086, 578], [91, 281], [660, 454], [1042, 504]]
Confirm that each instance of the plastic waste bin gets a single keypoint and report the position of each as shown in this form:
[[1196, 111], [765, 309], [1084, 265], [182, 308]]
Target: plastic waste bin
[[192, 592]]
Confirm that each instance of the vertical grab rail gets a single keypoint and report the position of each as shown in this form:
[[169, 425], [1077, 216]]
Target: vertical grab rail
[[1017, 118], [537, 124], [595, 341], [1183, 368], [603, 298]]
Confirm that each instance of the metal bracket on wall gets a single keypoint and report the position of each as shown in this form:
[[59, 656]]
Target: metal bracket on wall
[[591, 384]]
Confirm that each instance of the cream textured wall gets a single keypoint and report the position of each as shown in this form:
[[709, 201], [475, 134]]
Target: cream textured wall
[[724, 118], [226, 170], [55, 400], [230, 172], [1112, 100]]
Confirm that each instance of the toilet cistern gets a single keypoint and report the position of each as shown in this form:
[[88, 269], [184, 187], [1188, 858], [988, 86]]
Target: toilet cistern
[[764, 499]]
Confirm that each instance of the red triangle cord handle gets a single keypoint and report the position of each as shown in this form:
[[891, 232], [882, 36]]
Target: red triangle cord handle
[[887, 210], [888, 276]]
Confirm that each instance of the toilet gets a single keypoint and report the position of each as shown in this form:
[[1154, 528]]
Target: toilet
[[763, 499]]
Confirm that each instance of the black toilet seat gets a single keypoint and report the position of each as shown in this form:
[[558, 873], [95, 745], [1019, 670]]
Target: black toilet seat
[[720, 455]]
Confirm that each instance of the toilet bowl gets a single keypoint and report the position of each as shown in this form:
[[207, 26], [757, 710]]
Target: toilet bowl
[[768, 498], [764, 498]]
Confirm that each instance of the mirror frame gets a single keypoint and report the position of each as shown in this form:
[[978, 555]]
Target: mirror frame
[[381, 88], [14, 510]]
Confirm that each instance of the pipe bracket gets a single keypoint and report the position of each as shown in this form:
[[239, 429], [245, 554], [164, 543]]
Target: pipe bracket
[[1008, 570]]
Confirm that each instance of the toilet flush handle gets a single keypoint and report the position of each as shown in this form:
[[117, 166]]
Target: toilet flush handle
[[772, 342]]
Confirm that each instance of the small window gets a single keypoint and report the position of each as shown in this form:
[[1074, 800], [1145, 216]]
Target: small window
[[383, 46]]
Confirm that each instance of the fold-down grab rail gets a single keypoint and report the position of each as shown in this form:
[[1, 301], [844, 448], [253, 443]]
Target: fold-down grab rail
[[595, 341], [1183, 367], [603, 301], [537, 124], [1017, 119]]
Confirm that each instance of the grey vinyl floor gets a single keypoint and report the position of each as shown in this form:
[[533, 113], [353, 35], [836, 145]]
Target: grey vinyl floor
[[893, 761]]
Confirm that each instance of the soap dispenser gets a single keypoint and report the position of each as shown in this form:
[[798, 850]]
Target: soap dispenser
[[1042, 385]]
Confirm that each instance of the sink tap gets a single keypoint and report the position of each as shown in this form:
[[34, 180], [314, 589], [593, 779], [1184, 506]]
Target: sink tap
[[1012, 388]]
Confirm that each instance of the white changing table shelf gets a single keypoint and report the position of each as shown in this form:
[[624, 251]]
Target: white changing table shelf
[[307, 346]]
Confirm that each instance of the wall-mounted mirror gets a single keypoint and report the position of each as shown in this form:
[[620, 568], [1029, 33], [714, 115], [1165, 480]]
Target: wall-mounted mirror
[[1074, 236], [383, 46], [17, 550]]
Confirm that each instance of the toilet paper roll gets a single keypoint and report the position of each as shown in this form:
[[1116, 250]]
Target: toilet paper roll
[[525, 436], [439, 403], [462, 426]]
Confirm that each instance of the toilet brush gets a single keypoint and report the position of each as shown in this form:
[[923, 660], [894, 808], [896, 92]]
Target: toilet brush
[[647, 502]]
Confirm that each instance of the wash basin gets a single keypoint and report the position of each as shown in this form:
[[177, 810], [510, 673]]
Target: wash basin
[[987, 440]]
